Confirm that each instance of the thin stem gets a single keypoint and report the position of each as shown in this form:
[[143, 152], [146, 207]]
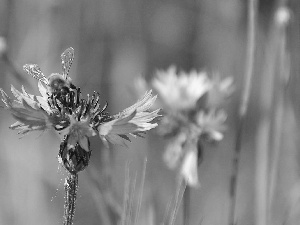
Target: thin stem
[[279, 102], [167, 212], [71, 187], [276, 141], [186, 206], [140, 198], [266, 104], [251, 33], [264, 190], [179, 195], [126, 197], [131, 201]]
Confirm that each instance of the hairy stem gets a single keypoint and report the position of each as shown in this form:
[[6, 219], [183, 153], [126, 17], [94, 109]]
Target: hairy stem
[[71, 187]]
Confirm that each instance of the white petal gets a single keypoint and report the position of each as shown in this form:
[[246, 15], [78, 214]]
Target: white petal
[[142, 104], [216, 135], [116, 140], [174, 151], [105, 128], [189, 169], [16, 93], [173, 154]]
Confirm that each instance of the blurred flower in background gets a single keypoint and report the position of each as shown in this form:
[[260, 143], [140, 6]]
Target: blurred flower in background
[[180, 92], [192, 105]]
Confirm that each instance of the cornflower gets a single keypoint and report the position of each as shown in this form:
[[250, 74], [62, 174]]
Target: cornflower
[[192, 106], [61, 107]]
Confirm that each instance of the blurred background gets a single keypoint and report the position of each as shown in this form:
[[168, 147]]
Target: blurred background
[[115, 41]]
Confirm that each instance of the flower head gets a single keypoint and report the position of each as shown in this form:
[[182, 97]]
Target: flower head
[[192, 105], [212, 124], [180, 91], [62, 108]]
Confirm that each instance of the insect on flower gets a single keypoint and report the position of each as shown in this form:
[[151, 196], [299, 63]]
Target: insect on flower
[[76, 119], [62, 108], [57, 84]]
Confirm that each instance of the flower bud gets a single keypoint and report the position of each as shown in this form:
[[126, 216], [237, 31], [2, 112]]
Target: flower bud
[[73, 158]]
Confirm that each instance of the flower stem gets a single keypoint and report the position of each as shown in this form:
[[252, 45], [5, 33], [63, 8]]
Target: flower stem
[[251, 33], [140, 198], [179, 195], [71, 187], [280, 105], [186, 206]]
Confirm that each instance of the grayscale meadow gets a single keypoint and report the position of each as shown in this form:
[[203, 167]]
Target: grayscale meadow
[[150, 112]]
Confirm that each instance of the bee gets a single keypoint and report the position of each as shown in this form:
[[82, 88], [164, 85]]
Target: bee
[[57, 84]]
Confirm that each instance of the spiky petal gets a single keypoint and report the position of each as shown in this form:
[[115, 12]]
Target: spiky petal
[[27, 110], [133, 121], [180, 91]]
